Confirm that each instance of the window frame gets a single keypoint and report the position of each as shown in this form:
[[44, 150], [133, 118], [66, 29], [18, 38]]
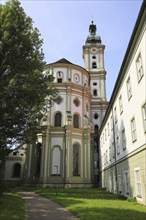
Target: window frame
[[139, 67], [123, 137], [56, 123], [76, 165], [144, 116], [138, 183], [126, 182], [133, 130], [118, 144], [129, 88], [120, 104], [76, 121]]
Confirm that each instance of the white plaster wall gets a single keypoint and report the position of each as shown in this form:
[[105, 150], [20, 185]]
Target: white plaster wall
[[131, 108]]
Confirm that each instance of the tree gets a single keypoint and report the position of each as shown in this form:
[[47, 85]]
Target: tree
[[24, 89]]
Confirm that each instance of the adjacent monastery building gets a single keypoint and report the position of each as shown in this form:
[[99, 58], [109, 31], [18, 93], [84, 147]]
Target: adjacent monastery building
[[84, 141], [123, 131]]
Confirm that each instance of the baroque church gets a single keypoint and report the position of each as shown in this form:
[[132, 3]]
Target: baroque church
[[66, 150], [84, 141]]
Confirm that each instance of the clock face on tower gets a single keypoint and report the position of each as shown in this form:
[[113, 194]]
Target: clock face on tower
[[93, 50]]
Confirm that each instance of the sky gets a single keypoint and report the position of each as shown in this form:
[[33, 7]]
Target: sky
[[64, 27]]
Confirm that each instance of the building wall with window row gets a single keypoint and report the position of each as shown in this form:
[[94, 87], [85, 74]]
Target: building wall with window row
[[123, 131]]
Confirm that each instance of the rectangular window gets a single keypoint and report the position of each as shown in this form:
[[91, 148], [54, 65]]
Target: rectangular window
[[120, 104], [117, 145], [59, 80], [123, 139], [139, 67], [144, 116], [133, 130], [138, 183], [129, 88], [126, 181]]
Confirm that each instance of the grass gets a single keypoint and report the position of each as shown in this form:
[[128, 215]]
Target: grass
[[11, 207], [93, 204], [87, 204]]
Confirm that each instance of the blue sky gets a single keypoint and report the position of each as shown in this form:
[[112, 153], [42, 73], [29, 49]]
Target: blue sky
[[64, 26]]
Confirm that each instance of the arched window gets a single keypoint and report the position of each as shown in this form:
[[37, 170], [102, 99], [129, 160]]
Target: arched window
[[96, 128], [57, 119], [76, 160], [96, 116], [76, 121], [95, 92], [94, 65], [16, 170], [56, 160]]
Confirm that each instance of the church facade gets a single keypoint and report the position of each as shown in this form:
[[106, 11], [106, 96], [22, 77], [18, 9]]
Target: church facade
[[66, 152]]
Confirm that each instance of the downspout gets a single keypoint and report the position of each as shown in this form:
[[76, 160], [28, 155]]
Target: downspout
[[115, 152]]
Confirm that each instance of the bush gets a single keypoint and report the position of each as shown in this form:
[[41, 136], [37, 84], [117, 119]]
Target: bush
[[131, 199]]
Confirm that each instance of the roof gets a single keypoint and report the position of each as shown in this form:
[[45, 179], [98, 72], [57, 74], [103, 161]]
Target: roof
[[65, 61]]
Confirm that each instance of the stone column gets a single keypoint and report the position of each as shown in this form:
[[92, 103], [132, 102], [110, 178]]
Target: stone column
[[44, 156]]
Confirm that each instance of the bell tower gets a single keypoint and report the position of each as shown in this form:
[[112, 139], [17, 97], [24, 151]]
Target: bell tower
[[93, 55]]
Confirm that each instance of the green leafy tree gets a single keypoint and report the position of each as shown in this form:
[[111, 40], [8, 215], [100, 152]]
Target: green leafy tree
[[24, 89]]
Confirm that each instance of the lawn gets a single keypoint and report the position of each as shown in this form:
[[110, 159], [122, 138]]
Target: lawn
[[93, 204], [11, 207]]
